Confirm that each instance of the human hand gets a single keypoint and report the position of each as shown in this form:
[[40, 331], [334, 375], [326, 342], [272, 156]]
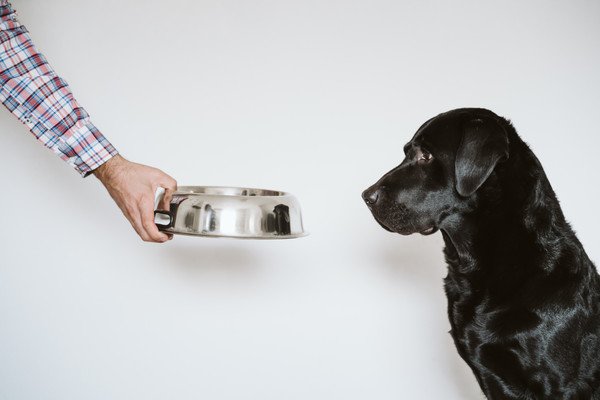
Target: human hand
[[132, 187]]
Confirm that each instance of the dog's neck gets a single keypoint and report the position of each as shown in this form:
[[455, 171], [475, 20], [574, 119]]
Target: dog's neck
[[523, 214]]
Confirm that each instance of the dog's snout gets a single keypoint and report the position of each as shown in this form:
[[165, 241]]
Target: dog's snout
[[371, 195]]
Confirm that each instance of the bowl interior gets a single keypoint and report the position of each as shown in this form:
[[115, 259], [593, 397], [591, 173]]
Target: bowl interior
[[228, 191]]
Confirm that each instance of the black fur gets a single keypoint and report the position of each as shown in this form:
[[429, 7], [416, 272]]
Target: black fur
[[523, 296]]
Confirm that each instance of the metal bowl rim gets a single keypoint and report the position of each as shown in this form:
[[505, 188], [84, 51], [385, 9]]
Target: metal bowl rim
[[243, 237], [182, 190]]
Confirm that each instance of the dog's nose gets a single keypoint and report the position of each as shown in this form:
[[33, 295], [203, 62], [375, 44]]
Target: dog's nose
[[371, 195]]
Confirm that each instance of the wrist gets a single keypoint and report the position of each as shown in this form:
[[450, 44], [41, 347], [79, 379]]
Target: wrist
[[109, 168]]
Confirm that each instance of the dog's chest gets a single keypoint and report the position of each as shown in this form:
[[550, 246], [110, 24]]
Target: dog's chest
[[467, 318], [475, 323], [469, 330]]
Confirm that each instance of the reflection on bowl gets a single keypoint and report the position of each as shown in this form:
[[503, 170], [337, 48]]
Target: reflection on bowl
[[231, 212]]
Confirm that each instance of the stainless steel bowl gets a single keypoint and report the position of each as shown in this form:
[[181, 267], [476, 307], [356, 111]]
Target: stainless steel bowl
[[231, 212]]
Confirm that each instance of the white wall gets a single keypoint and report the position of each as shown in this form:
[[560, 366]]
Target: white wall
[[314, 97]]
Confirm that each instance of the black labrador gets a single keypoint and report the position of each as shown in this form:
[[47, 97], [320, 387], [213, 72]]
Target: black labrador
[[523, 296]]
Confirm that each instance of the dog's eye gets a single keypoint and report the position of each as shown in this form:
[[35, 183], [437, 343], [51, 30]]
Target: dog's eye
[[425, 156]]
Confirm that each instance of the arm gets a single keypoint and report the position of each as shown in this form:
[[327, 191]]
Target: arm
[[43, 101]]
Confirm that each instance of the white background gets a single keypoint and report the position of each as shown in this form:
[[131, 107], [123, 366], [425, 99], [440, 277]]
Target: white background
[[316, 98]]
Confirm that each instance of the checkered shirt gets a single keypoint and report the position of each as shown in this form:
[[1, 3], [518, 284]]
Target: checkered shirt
[[43, 101]]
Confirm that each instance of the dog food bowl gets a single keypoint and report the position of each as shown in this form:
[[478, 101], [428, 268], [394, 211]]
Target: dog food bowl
[[234, 212]]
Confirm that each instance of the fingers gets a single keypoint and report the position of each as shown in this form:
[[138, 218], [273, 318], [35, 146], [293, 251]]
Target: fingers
[[133, 216], [165, 201], [143, 223], [170, 186], [146, 212], [166, 182], [147, 229]]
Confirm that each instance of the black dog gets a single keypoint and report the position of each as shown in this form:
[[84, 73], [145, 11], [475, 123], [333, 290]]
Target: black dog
[[523, 296]]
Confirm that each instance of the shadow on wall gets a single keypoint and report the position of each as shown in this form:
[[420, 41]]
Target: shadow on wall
[[223, 258]]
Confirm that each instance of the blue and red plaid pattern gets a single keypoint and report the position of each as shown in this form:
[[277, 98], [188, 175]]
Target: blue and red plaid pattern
[[33, 92]]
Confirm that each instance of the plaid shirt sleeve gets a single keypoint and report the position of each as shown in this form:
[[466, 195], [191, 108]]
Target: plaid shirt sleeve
[[33, 92]]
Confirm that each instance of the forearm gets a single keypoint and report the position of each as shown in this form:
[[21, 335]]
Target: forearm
[[43, 101]]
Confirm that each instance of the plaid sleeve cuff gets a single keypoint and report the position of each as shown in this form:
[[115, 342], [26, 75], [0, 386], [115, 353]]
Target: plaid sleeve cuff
[[86, 149]]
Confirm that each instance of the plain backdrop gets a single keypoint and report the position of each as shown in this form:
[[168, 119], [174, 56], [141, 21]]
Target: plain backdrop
[[313, 97]]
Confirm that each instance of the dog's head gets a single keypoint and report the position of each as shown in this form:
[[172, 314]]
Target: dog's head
[[446, 162]]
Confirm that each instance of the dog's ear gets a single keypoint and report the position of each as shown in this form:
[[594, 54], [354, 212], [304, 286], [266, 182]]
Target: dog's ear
[[484, 144]]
